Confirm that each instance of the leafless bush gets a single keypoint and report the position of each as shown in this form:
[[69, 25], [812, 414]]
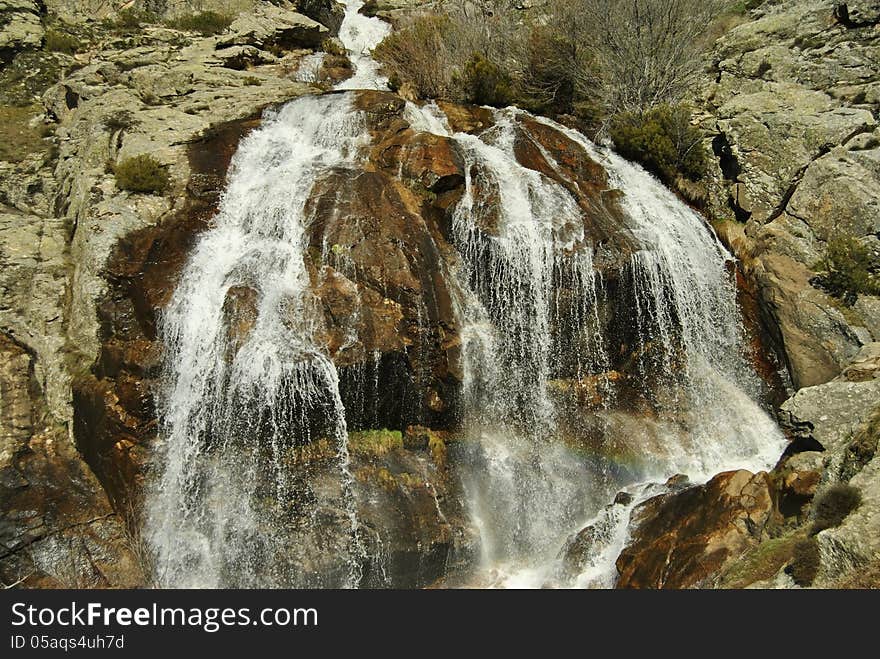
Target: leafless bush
[[649, 50]]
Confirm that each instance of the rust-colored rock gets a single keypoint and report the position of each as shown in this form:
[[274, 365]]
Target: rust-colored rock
[[115, 418], [428, 159], [683, 538], [466, 118]]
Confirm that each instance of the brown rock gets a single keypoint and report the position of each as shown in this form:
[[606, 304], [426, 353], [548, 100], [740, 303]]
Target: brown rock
[[683, 538], [466, 118], [428, 159], [57, 529]]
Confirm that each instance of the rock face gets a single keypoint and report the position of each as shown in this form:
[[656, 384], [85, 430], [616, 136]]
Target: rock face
[[792, 120], [57, 529], [20, 26], [683, 538], [79, 289]]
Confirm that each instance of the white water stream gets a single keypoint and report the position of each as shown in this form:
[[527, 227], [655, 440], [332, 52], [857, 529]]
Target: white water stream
[[208, 515]]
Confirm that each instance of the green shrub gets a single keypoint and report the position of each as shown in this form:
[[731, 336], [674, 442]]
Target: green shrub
[[833, 505], [849, 270], [483, 82], [131, 20], [57, 41], [862, 448], [141, 173], [662, 140], [547, 85], [805, 562], [206, 23]]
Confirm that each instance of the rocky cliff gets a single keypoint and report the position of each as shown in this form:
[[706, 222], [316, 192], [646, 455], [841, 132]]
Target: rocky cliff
[[75, 247], [790, 110], [791, 113]]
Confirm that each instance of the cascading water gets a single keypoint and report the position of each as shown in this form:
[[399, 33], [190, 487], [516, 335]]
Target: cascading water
[[203, 519], [526, 490], [232, 406], [360, 34], [242, 390]]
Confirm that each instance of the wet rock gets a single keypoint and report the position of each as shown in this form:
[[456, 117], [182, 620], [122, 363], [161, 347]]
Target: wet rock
[[416, 438], [549, 151], [681, 539], [384, 285], [466, 119], [623, 499], [429, 160]]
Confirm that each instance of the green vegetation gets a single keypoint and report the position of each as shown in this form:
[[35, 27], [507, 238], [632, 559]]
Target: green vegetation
[[805, 562], [437, 447], [422, 55], [744, 6], [862, 448], [663, 140], [119, 121], [848, 270], [760, 563], [141, 173], [57, 41], [607, 68], [130, 21], [832, 505], [483, 82], [375, 442], [206, 23], [333, 47]]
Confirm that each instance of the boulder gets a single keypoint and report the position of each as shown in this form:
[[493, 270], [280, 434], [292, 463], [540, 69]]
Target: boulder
[[275, 26], [681, 539], [829, 413], [865, 365], [328, 13]]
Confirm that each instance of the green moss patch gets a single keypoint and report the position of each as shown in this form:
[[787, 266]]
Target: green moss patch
[[375, 442], [760, 563]]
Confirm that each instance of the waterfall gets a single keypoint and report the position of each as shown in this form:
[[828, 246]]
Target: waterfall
[[527, 492], [220, 387], [360, 34], [247, 380]]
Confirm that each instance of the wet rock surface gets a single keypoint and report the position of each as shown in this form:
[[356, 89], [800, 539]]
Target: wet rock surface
[[683, 538]]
